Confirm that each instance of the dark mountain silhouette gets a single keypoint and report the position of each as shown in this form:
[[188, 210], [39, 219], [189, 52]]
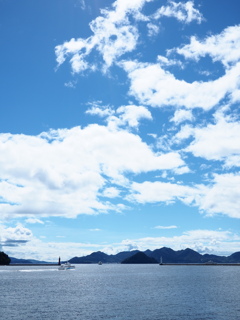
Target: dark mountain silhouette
[[167, 255], [95, 257], [234, 257], [139, 257], [4, 259]]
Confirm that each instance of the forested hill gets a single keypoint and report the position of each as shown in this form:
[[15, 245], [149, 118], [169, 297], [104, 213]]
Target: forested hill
[[4, 259]]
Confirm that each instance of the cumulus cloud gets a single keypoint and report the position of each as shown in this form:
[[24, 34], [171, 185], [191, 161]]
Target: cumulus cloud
[[124, 116], [182, 115], [96, 108], [218, 141], [64, 171], [114, 35], [152, 85], [129, 116], [150, 192], [111, 192], [220, 196], [15, 236]]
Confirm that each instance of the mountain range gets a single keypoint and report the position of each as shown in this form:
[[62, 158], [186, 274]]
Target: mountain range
[[167, 255]]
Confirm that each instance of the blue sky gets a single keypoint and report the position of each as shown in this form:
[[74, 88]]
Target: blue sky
[[119, 126]]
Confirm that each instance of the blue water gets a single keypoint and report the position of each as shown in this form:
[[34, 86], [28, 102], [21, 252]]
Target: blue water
[[126, 292]]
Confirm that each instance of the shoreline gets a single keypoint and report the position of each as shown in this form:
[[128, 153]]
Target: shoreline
[[163, 264], [32, 265], [200, 264]]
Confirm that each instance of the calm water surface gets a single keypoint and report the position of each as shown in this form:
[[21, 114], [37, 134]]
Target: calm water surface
[[135, 292]]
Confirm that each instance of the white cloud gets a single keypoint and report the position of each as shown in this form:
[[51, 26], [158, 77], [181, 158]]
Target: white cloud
[[34, 220], [223, 47], [185, 132], [63, 171], [153, 29], [111, 192], [82, 4], [14, 236], [218, 141], [129, 115], [182, 115], [220, 196], [70, 84], [114, 35], [165, 227], [150, 192], [184, 12], [152, 85], [101, 111]]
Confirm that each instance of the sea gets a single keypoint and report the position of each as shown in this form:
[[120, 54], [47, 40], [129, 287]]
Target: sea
[[122, 292]]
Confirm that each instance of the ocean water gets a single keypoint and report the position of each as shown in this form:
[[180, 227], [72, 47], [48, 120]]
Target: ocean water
[[126, 292]]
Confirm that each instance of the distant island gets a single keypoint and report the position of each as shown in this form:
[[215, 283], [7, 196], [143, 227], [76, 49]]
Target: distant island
[[166, 255], [4, 259]]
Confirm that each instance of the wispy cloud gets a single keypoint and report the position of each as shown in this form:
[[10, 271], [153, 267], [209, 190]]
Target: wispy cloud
[[165, 227], [34, 220], [183, 12]]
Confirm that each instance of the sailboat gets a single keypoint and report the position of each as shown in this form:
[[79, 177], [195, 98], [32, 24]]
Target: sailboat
[[161, 263]]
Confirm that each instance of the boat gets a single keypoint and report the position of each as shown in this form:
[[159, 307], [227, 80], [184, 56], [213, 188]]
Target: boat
[[100, 263], [161, 263], [66, 266]]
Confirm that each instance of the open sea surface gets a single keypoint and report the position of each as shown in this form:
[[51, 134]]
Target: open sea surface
[[115, 291]]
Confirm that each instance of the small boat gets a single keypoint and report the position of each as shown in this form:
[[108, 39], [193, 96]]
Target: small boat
[[100, 263], [161, 263], [66, 266]]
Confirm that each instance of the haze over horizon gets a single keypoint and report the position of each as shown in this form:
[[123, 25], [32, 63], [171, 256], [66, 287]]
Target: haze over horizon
[[119, 127]]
